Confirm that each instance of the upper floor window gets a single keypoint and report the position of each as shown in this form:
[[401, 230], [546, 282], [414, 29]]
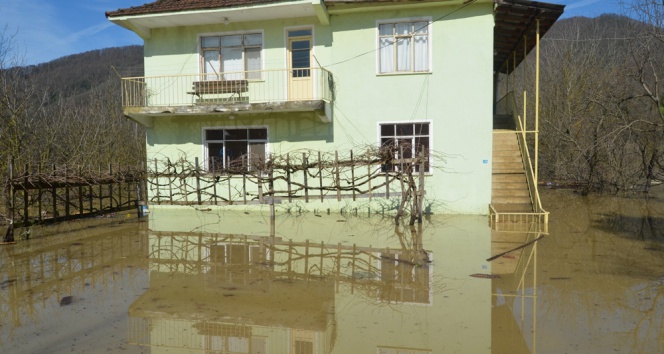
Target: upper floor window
[[232, 57], [403, 47]]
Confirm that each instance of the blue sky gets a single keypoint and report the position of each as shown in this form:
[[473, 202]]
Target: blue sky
[[50, 29]]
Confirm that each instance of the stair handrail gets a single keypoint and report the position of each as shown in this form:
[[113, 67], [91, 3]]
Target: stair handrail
[[509, 100]]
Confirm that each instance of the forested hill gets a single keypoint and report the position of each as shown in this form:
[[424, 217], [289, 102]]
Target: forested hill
[[78, 73], [69, 110], [602, 101]]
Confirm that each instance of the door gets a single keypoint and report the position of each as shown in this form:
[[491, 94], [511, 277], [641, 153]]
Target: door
[[300, 82]]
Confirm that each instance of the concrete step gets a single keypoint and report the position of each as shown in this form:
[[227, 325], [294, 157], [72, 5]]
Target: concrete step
[[510, 152], [509, 177], [510, 200], [519, 192], [512, 166], [513, 158], [506, 145], [509, 185], [513, 208], [504, 137]]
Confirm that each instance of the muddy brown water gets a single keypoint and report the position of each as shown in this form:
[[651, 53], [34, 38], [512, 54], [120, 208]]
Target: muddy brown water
[[188, 281]]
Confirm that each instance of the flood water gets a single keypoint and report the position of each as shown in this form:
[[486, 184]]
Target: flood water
[[187, 281]]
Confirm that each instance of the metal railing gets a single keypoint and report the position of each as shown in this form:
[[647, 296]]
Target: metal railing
[[260, 86], [507, 106]]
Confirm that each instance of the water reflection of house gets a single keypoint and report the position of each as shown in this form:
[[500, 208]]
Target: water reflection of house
[[389, 290], [243, 294]]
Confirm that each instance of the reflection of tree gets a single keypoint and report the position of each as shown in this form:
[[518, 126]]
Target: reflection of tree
[[597, 272]]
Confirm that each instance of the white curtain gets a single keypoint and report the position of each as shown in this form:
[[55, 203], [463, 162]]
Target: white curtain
[[231, 57], [386, 43], [231, 63], [211, 64], [421, 50], [404, 49], [253, 58]]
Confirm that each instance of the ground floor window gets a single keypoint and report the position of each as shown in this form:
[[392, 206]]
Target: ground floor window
[[403, 141], [235, 149]]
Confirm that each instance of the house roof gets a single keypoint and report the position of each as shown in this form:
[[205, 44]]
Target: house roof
[[162, 6], [516, 21]]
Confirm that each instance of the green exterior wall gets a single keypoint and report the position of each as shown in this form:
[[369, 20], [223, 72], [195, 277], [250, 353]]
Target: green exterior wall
[[456, 97]]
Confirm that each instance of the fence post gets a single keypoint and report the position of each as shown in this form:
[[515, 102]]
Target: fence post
[[170, 184], [156, 180], [305, 170], [288, 177], [26, 196], [352, 172], [271, 187], [184, 180], [9, 234], [421, 191], [198, 181], [119, 205], [259, 181], [320, 175], [369, 177], [54, 195], [80, 191], [39, 190], [101, 192], [66, 195], [90, 202], [110, 186], [338, 182]]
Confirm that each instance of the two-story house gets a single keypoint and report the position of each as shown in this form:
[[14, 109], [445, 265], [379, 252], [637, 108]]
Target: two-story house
[[239, 82]]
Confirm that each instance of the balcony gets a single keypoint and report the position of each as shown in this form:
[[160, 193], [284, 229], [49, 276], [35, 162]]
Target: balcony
[[282, 90]]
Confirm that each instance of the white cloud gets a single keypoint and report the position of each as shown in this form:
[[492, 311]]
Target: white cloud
[[581, 3]]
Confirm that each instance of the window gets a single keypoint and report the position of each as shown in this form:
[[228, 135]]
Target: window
[[403, 141], [236, 149], [403, 47], [299, 46], [404, 278], [232, 57]]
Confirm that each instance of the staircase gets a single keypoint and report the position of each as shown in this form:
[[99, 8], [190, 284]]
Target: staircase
[[509, 192]]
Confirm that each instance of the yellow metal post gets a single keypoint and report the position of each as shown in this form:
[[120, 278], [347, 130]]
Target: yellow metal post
[[537, 82], [525, 64]]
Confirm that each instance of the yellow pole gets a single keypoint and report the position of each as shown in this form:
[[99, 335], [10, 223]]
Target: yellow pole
[[537, 88], [525, 64]]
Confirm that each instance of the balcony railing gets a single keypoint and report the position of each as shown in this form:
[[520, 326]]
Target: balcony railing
[[261, 86]]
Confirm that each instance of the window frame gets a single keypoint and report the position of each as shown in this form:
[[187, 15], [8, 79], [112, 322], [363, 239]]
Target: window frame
[[380, 136], [206, 152], [412, 21], [219, 75]]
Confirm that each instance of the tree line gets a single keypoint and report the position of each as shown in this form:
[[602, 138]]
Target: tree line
[[67, 111], [602, 100]]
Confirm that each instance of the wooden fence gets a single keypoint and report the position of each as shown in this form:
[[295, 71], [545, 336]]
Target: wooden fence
[[305, 176], [37, 195]]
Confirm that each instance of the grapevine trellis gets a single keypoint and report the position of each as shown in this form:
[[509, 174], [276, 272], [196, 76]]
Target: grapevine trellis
[[302, 176], [37, 194]]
